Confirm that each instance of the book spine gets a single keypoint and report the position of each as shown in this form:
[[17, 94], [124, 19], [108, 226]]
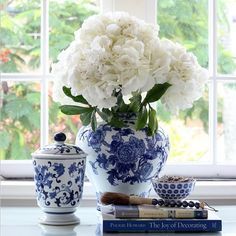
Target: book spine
[[162, 226], [124, 212], [188, 214]]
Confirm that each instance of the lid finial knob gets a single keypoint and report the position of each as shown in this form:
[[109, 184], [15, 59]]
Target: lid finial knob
[[60, 137]]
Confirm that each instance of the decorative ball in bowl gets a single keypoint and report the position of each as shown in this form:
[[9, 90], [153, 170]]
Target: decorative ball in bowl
[[173, 187]]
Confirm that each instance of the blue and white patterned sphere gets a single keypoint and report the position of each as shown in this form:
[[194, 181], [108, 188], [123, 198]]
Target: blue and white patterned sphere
[[173, 191], [122, 159]]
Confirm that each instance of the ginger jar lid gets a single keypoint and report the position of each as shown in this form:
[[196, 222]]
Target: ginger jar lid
[[59, 148]]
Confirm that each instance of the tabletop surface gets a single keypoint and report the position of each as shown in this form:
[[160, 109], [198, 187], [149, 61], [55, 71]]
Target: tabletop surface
[[23, 221]]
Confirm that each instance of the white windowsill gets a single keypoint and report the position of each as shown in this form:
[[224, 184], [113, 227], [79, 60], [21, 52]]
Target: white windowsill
[[222, 192]]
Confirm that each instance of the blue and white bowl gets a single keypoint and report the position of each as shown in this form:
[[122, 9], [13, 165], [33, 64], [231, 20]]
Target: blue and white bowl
[[59, 178], [173, 190]]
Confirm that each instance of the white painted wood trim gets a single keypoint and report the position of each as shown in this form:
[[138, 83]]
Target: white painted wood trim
[[106, 6], [38, 77], [151, 11], [143, 9], [44, 63], [23, 190], [22, 77], [212, 52], [10, 169]]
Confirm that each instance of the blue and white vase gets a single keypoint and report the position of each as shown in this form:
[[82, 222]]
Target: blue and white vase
[[59, 177], [122, 159]]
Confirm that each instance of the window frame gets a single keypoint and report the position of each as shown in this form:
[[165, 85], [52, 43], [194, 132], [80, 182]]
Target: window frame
[[148, 11]]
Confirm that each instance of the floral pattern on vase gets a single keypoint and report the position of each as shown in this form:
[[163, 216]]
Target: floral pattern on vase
[[127, 158], [59, 184], [123, 159]]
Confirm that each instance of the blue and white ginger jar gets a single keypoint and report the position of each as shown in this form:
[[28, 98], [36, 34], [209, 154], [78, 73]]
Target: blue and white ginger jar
[[122, 159], [59, 177]]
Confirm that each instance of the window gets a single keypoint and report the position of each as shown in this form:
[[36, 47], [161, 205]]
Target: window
[[32, 35], [203, 139], [202, 136]]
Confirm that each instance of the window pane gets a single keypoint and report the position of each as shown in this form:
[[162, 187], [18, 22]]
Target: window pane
[[59, 122], [188, 133], [226, 36], [19, 120], [65, 17], [185, 22], [20, 36], [226, 129]]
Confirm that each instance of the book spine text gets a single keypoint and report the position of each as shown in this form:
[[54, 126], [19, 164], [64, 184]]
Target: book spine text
[[161, 226]]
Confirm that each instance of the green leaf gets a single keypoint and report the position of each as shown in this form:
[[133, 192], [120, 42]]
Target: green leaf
[[33, 98], [152, 122], [94, 120], [105, 114], [116, 122], [54, 112], [135, 103], [156, 93], [26, 122], [75, 110], [79, 98], [35, 119], [86, 118], [67, 91], [4, 139], [141, 119], [122, 107], [18, 148], [18, 108]]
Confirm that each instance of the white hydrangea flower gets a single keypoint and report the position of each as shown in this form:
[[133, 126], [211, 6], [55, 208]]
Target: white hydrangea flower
[[115, 51], [186, 76]]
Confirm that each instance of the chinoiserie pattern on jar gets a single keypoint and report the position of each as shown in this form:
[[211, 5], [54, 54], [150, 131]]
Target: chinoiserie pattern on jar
[[123, 159], [59, 183], [124, 156]]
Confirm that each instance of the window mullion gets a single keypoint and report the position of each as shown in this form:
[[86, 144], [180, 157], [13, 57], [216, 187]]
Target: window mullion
[[212, 20], [230, 78], [22, 77], [150, 11], [45, 70]]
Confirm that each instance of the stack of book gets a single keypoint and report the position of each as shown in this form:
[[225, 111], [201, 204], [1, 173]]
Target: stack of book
[[145, 218]]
